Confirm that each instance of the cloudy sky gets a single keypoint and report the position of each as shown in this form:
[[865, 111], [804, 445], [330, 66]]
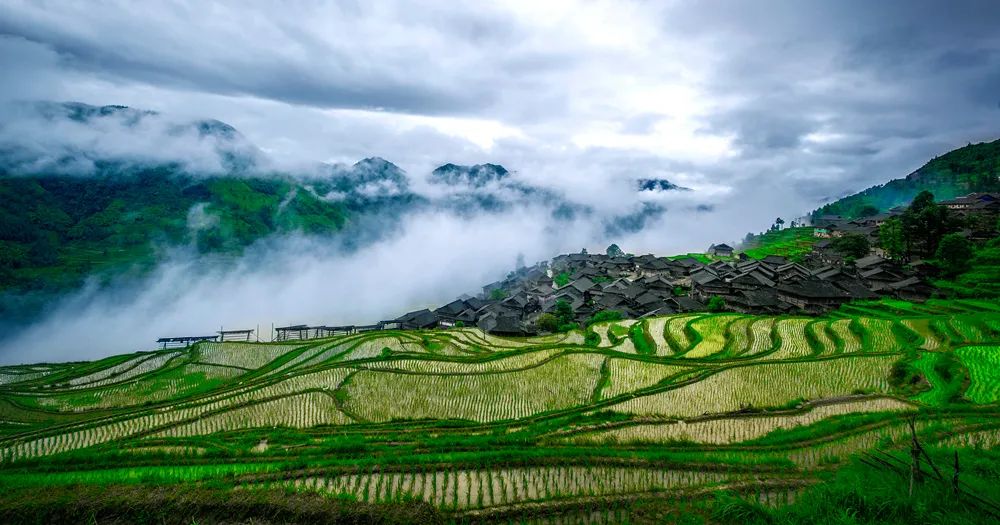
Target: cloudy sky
[[786, 102], [764, 108]]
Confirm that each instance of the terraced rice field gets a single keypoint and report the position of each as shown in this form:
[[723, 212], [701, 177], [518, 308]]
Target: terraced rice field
[[712, 331], [773, 384], [740, 428], [761, 336], [792, 338], [627, 375], [983, 363], [484, 427]]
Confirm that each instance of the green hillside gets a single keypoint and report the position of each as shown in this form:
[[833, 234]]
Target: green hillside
[[57, 230], [793, 243], [973, 168], [728, 418]]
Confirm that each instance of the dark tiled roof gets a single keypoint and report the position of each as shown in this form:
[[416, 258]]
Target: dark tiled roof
[[452, 308], [759, 298], [507, 324], [610, 300], [812, 289], [704, 277], [656, 265], [905, 283], [649, 298], [582, 284], [688, 262], [665, 310], [856, 289], [752, 278], [686, 304], [420, 319], [871, 260]]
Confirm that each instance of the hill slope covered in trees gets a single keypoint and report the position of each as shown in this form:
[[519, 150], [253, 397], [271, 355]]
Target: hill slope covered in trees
[[973, 168], [88, 207]]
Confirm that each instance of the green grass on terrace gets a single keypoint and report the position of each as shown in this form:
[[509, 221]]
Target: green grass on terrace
[[700, 257], [793, 243], [486, 428]]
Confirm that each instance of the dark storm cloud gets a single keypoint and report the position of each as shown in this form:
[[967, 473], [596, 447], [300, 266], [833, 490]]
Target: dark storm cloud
[[230, 51]]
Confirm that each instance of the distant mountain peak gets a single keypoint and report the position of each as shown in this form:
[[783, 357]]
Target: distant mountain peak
[[659, 185], [476, 176], [217, 128], [375, 162], [376, 169], [28, 146]]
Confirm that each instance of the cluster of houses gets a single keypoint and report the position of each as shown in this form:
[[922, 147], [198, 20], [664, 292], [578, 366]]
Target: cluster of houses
[[646, 285], [833, 226], [974, 203]]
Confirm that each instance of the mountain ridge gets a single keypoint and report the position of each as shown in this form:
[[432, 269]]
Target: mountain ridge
[[971, 168]]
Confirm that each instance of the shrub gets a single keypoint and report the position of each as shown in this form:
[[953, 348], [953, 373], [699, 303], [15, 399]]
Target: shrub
[[716, 304], [604, 315], [547, 323], [642, 342], [953, 254]]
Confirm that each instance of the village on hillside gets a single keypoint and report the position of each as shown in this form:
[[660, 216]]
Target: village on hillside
[[572, 289], [723, 279]]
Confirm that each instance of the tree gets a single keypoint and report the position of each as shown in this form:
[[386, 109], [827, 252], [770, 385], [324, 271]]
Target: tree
[[614, 251], [13, 255], [563, 312], [852, 245], [924, 223], [604, 315], [981, 224], [890, 236], [547, 323], [867, 211], [778, 222], [716, 303], [498, 294], [953, 254], [44, 251]]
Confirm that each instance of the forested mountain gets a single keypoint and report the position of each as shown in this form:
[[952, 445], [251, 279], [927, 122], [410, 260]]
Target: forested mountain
[[59, 231], [89, 209], [973, 168]]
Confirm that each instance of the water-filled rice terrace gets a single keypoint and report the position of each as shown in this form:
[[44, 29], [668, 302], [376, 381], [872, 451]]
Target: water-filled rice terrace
[[546, 429]]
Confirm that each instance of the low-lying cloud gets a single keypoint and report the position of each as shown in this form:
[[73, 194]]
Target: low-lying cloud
[[68, 138], [433, 257]]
